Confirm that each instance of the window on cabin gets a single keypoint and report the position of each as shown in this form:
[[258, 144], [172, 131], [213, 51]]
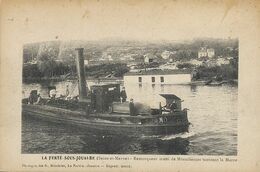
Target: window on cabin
[[139, 79], [153, 79], [162, 79]]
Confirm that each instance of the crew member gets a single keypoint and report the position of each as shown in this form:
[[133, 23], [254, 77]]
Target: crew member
[[39, 99], [132, 107], [123, 95], [173, 106], [30, 98], [67, 91], [52, 94]]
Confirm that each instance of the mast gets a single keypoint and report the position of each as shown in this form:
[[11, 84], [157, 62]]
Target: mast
[[81, 75]]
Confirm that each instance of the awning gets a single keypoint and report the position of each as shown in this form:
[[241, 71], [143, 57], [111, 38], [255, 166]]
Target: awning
[[170, 96]]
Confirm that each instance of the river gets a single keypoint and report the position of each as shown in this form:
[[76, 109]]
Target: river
[[212, 112]]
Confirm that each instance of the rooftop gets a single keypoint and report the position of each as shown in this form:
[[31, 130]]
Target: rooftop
[[170, 96]]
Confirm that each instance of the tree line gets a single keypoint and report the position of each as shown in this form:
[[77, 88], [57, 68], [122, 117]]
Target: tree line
[[52, 69]]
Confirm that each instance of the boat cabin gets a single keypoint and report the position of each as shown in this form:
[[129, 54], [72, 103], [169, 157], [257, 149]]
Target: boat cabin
[[171, 98], [103, 95]]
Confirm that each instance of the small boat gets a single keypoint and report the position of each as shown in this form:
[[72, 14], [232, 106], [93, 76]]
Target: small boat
[[100, 110], [217, 83]]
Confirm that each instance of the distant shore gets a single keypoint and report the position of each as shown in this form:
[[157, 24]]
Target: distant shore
[[60, 79], [201, 82]]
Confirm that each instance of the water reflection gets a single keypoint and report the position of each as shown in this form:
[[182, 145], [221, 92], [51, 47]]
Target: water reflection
[[122, 144], [50, 137], [175, 146], [193, 88]]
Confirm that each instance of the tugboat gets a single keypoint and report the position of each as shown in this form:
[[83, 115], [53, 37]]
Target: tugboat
[[100, 110]]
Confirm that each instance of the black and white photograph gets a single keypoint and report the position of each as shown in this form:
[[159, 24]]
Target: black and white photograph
[[131, 97]]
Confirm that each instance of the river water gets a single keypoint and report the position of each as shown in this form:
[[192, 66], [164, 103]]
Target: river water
[[212, 112]]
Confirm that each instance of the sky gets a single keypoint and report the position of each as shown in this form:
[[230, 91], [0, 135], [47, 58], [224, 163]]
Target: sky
[[38, 21]]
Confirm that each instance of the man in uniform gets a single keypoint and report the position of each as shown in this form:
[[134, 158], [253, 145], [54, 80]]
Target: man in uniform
[[123, 95], [132, 107]]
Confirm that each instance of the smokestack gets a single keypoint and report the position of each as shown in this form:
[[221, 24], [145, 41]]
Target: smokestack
[[81, 74]]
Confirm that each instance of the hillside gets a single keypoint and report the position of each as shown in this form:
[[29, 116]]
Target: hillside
[[125, 50]]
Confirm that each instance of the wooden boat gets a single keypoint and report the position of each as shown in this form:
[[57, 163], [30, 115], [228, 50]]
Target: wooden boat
[[101, 110]]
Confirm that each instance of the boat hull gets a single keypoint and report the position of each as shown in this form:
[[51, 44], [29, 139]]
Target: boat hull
[[93, 125]]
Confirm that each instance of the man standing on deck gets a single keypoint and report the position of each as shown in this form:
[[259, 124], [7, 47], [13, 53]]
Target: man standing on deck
[[123, 95], [39, 99], [132, 107], [173, 106]]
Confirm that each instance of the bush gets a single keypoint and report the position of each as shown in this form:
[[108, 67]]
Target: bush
[[185, 65], [228, 71]]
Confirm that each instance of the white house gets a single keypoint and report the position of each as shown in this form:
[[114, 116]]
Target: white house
[[196, 62], [204, 52], [211, 52], [222, 61], [158, 77], [149, 58]]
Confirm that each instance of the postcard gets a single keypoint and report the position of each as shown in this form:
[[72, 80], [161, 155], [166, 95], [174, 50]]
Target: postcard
[[129, 85]]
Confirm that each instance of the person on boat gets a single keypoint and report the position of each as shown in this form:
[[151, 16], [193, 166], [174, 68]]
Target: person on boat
[[123, 95], [173, 106], [52, 94], [67, 91], [166, 107], [30, 99], [132, 107], [39, 99]]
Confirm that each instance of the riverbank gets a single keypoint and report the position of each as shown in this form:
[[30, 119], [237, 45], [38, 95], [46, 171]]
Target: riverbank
[[72, 78]]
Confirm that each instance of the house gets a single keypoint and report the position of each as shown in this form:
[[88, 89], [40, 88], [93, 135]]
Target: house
[[149, 58], [210, 52], [158, 77], [196, 62], [204, 52]]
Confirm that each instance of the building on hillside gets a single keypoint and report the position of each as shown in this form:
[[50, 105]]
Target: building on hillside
[[149, 58], [158, 77], [210, 52], [222, 61], [196, 62], [204, 52]]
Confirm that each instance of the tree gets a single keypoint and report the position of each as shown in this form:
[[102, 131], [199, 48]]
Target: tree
[[46, 65]]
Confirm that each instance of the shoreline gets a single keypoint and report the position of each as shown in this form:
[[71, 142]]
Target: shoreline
[[60, 79], [200, 82]]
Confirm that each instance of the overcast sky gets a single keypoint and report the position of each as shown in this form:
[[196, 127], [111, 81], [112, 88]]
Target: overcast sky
[[145, 20]]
